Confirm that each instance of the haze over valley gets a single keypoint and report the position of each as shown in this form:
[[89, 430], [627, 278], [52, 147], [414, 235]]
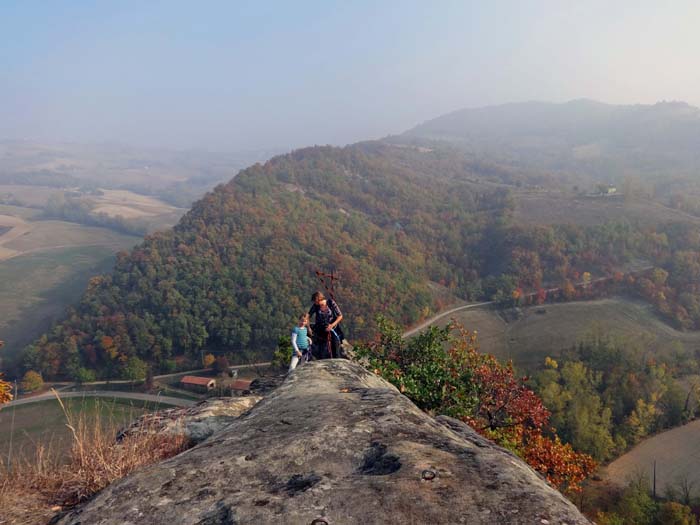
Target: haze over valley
[[503, 200]]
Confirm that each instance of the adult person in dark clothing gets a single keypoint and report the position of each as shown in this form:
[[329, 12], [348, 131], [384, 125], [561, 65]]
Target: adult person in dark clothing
[[327, 335]]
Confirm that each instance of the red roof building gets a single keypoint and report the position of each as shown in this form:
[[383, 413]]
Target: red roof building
[[198, 383], [241, 385]]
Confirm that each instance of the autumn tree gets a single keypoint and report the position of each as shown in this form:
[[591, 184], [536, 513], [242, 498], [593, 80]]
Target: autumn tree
[[672, 513], [5, 391], [31, 381], [208, 360], [221, 364], [5, 387]]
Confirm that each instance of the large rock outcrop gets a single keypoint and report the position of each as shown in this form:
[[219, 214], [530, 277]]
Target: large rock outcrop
[[196, 423], [334, 445]]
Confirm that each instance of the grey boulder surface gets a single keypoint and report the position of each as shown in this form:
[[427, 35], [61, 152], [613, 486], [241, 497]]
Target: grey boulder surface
[[197, 422], [334, 444]]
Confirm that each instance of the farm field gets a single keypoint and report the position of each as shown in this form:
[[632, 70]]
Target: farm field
[[113, 203], [44, 266], [129, 204], [29, 196], [18, 211], [677, 456], [546, 330], [45, 423], [155, 172], [557, 208], [36, 287], [28, 237]]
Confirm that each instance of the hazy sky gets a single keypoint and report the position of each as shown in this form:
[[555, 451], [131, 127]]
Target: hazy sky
[[234, 75]]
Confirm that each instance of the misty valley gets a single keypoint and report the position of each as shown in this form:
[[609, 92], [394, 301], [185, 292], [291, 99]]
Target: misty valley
[[347, 263]]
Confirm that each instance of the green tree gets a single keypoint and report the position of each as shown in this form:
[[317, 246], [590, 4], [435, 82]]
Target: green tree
[[640, 422], [578, 413], [135, 369], [673, 405], [283, 352], [169, 366], [84, 375], [636, 505], [609, 518]]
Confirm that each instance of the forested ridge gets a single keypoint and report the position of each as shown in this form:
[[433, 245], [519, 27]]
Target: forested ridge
[[237, 270], [239, 267]]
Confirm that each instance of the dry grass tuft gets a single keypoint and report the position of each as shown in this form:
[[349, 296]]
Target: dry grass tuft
[[31, 491]]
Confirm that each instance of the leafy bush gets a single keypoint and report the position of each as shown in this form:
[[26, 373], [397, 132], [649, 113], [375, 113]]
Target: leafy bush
[[283, 352], [85, 375]]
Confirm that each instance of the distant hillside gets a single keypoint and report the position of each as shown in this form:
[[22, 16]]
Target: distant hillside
[[177, 177], [581, 137]]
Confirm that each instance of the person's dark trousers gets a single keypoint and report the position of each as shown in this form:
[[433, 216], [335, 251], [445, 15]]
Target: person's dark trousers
[[320, 348]]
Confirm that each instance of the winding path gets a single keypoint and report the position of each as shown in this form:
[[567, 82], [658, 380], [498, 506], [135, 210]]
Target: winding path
[[166, 400], [428, 322]]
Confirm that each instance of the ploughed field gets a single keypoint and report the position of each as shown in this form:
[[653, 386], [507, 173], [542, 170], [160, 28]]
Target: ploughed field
[[677, 456]]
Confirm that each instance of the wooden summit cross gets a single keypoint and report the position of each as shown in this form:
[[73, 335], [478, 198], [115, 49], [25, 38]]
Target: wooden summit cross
[[328, 280]]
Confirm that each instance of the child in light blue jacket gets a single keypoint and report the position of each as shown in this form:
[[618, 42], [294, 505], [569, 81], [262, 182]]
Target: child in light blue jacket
[[300, 341]]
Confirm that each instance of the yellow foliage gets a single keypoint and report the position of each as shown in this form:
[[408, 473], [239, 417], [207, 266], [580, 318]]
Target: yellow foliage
[[32, 381], [5, 391], [208, 360], [550, 363]]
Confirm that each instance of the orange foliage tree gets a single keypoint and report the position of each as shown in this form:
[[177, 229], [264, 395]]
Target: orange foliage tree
[[5, 391], [5, 388], [476, 388]]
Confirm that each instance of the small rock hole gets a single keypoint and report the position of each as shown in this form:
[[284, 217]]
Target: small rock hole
[[428, 475]]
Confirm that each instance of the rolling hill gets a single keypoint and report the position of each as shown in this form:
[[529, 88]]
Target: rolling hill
[[581, 137]]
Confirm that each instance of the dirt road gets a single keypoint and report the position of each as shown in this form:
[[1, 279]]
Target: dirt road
[[428, 322], [166, 400]]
